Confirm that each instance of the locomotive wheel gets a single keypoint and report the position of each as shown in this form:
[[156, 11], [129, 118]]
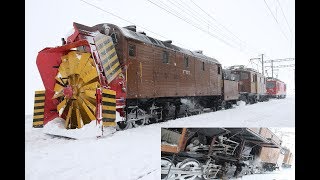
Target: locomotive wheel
[[123, 125], [188, 165], [75, 88], [140, 115], [166, 163]]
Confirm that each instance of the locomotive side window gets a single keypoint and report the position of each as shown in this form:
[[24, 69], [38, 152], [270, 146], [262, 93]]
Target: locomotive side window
[[202, 66], [186, 61], [219, 69], [165, 57], [243, 76], [132, 50], [253, 78]]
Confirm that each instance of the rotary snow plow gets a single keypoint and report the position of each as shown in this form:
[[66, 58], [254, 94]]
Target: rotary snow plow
[[81, 80]]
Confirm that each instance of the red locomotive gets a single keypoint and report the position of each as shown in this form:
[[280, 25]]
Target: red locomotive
[[276, 88]]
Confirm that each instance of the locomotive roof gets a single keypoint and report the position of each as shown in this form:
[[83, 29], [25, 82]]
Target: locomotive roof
[[245, 70], [274, 79], [149, 40]]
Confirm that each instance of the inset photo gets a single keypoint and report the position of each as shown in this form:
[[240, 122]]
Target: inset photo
[[227, 153]]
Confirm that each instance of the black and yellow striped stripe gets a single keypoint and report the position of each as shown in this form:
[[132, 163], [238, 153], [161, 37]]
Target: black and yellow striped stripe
[[38, 112], [108, 56], [108, 107]]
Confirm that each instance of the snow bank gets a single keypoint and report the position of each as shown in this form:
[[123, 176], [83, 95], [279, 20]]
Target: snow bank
[[91, 130], [134, 154]]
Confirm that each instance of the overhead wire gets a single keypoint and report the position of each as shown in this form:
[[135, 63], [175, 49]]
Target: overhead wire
[[193, 25], [276, 20], [206, 22], [147, 29]]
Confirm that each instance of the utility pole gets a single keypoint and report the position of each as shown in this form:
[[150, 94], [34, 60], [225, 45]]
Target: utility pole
[[278, 66], [262, 65], [272, 69]]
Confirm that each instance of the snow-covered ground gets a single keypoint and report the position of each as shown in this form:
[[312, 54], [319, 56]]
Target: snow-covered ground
[[282, 174], [135, 153], [273, 113]]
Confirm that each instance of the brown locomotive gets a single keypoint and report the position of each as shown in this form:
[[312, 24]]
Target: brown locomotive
[[165, 81], [252, 84]]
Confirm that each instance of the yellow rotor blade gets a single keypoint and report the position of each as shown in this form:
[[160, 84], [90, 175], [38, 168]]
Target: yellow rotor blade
[[87, 67], [90, 93], [91, 86], [73, 61], [78, 116], [63, 69], [68, 116], [82, 62], [61, 105], [88, 103], [90, 75], [58, 87], [87, 110]]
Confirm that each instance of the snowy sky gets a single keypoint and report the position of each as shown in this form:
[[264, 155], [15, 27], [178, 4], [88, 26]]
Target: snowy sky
[[251, 21], [287, 135]]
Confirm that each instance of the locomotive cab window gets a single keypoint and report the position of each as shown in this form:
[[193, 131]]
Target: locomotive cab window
[[165, 57], [219, 70], [114, 38], [132, 50], [202, 66], [186, 61]]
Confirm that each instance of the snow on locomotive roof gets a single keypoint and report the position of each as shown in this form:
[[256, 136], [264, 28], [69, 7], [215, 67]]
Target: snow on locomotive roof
[[149, 40]]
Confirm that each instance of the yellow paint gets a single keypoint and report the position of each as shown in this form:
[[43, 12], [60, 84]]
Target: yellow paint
[[40, 92], [63, 70], [90, 93], [83, 61], [68, 116], [37, 123], [38, 116], [112, 68], [104, 49], [87, 67], [110, 61], [87, 110], [58, 87], [109, 91], [112, 100], [109, 123], [78, 118], [111, 108], [102, 39], [91, 86], [111, 51], [38, 110], [89, 104], [140, 70], [90, 75], [39, 98], [73, 61], [111, 116], [62, 104], [39, 104], [114, 75]]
